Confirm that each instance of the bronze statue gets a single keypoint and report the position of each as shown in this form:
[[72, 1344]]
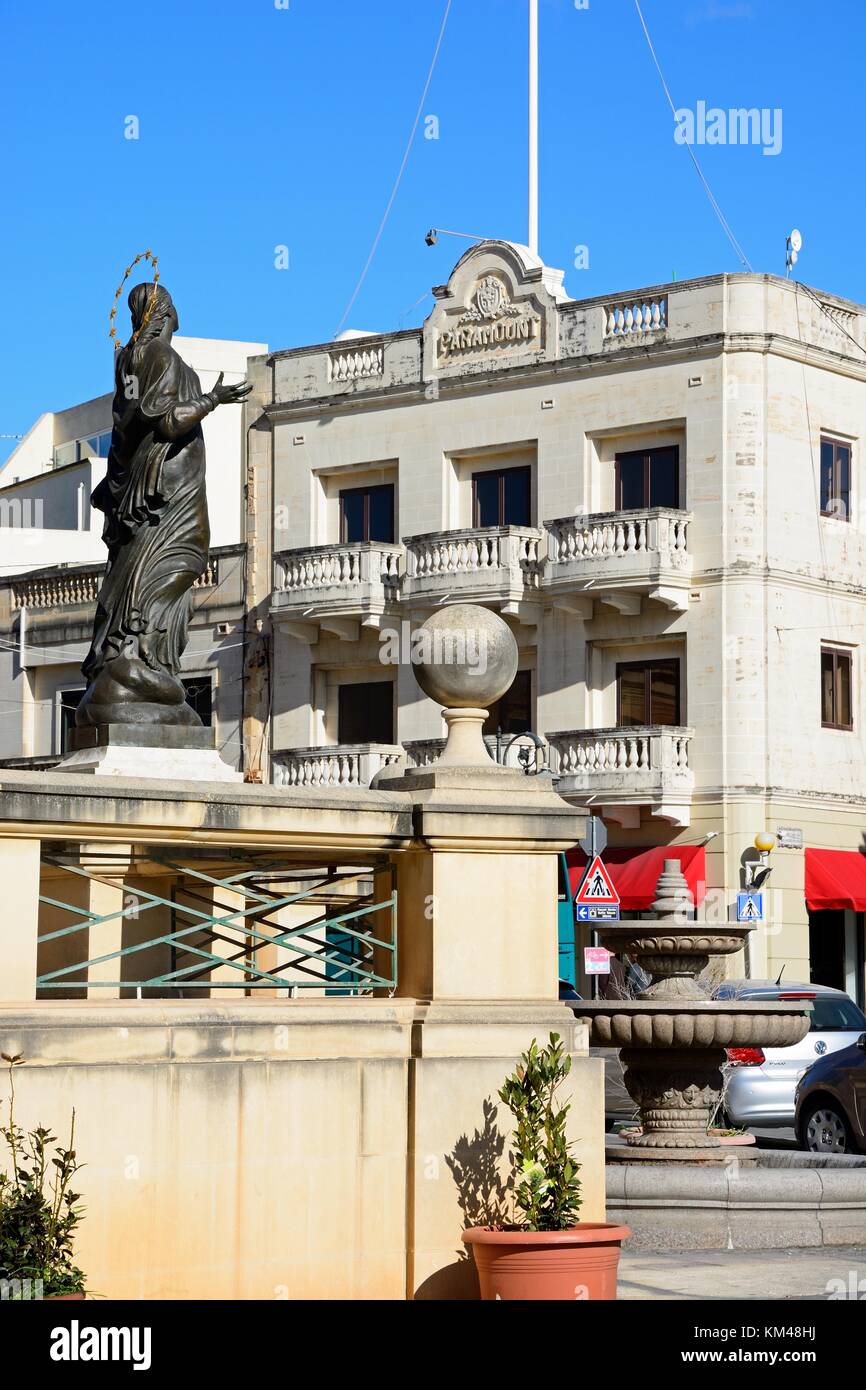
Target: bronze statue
[[156, 524]]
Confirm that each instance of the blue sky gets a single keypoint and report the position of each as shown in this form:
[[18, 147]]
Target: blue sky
[[262, 126]]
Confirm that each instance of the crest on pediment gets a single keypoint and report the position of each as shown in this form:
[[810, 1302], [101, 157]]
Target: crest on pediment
[[490, 301], [499, 304]]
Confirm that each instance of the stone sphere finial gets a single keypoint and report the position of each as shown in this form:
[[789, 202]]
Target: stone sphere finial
[[467, 657]]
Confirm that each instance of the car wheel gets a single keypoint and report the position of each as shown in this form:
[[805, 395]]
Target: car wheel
[[825, 1130]]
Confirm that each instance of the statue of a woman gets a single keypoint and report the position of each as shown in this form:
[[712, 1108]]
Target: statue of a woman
[[156, 524]]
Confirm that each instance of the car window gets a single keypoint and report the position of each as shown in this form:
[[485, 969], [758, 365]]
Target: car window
[[836, 1015]]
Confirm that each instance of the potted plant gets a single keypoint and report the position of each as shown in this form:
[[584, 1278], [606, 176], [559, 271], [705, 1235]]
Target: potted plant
[[548, 1253], [39, 1212]]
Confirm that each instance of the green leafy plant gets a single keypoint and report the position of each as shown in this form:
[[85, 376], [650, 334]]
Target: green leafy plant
[[39, 1212], [548, 1188]]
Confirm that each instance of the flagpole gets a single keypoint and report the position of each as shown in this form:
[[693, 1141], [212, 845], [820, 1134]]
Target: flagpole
[[532, 238]]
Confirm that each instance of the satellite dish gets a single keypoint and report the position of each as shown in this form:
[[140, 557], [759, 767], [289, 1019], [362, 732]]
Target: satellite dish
[[796, 240]]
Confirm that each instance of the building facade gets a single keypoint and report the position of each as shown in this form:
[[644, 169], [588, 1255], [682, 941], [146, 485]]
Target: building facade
[[660, 492]]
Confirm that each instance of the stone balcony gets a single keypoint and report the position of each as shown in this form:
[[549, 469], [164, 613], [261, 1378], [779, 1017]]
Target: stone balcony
[[337, 765], [623, 769], [340, 588], [73, 586], [619, 559], [501, 566]]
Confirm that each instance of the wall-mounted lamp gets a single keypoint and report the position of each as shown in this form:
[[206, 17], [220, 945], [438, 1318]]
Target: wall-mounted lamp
[[436, 232], [757, 873]]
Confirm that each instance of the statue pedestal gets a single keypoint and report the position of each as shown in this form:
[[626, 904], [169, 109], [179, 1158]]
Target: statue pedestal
[[185, 753]]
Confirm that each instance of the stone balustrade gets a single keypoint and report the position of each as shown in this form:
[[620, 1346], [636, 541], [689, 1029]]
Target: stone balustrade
[[341, 765], [835, 328], [330, 566], [617, 534], [67, 588], [629, 317], [355, 364], [356, 580], [644, 551], [626, 766], [477, 563]]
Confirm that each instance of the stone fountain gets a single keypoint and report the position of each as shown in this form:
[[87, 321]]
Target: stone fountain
[[672, 1037]]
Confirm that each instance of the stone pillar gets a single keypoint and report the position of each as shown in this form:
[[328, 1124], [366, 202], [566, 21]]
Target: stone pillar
[[478, 950], [19, 921]]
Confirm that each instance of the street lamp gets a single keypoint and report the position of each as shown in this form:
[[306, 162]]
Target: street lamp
[[435, 233], [756, 874]]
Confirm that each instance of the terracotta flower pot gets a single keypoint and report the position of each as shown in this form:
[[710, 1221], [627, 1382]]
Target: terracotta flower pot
[[63, 1297], [579, 1263]]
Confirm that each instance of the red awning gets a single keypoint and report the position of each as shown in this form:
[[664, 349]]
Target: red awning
[[635, 872], [835, 878]]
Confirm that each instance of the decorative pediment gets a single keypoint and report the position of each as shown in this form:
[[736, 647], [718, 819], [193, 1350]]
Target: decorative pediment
[[498, 309]]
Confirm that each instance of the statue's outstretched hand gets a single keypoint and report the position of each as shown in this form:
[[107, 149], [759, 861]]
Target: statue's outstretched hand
[[229, 395]]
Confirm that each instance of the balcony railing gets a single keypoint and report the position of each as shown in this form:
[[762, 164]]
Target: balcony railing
[[422, 752], [486, 563], [644, 551], [340, 765], [628, 767], [608, 556], [65, 588], [354, 580]]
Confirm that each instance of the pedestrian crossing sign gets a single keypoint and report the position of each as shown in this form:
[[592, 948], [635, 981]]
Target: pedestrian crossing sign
[[750, 907], [597, 888]]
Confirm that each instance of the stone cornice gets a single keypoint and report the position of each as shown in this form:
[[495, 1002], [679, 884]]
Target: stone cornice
[[624, 358]]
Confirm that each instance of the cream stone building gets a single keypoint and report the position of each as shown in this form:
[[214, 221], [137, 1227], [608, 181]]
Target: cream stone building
[[661, 491]]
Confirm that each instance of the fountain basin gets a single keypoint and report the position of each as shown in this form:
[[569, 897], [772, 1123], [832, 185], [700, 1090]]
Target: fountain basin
[[661, 938], [776, 1200], [693, 1023]]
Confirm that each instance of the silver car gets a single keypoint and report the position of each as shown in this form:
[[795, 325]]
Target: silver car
[[760, 1082]]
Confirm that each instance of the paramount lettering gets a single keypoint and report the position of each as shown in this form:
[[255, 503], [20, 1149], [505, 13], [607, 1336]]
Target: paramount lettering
[[474, 336]]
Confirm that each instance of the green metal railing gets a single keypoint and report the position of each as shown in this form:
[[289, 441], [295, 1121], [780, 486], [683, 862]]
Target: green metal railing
[[348, 945]]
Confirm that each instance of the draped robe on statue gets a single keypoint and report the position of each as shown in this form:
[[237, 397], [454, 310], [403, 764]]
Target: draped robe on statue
[[157, 533]]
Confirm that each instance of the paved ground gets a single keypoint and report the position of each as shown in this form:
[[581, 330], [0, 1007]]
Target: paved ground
[[711, 1274], [775, 1138]]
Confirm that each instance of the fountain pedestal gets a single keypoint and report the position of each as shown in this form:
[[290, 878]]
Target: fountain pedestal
[[672, 1036]]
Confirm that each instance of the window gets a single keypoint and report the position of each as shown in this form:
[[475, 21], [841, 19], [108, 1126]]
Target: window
[[836, 689], [647, 478], [365, 712], [199, 696], [65, 454], [512, 712], [647, 692], [502, 497], [69, 701], [367, 513], [836, 479], [94, 446]]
